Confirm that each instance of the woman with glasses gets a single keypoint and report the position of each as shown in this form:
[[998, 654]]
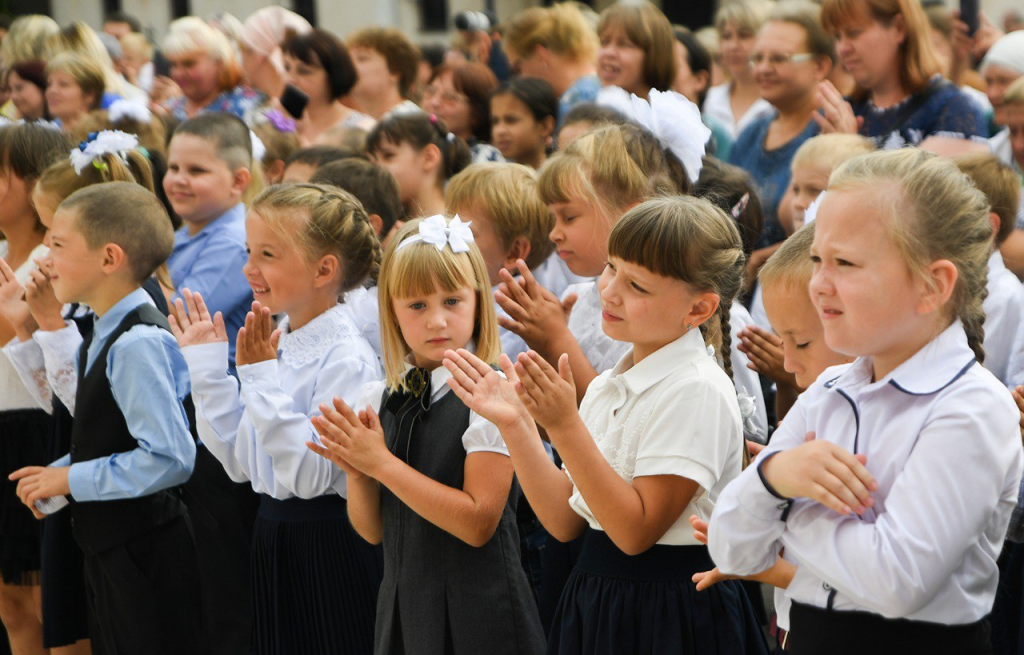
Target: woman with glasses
[[460, 94]]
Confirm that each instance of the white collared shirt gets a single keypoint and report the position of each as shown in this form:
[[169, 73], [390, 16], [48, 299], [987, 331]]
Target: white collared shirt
[[942, 440], [673, 413], [257, 427], [480, 436], [1003, 307]]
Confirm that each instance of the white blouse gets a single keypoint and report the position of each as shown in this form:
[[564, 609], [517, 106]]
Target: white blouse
[[14, 394], [746, 380], [480, 436], [942, 441], [601, 351], [258, 426], [555, 276], [717, 106], [1003, 308], [363, 308], [673, 413]]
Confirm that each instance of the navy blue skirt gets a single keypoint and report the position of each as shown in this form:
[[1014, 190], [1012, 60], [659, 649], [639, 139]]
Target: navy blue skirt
[[23, 436], [615, 603], [315, 581]]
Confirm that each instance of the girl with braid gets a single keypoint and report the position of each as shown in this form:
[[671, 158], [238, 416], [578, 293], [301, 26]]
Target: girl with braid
[[895, 511]]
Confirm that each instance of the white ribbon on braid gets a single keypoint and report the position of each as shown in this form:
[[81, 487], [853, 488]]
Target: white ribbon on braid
[[439, 233], [670, 117], [107, 142]]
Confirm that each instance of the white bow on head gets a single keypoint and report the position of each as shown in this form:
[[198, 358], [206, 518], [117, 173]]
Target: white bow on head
[[811, 212], [670, 117], [438, 232], [107, 142], [259, 151], [134, 109]]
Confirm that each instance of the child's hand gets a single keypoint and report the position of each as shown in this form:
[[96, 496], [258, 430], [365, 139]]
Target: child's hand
[[193, 326], [824, 472], [1018, 397], [548, 395], [257, 340], [42, 302], [535, 313], [482, 390], [13, 305], [40, 482], [779, 575], [358, 441], [766, 355]]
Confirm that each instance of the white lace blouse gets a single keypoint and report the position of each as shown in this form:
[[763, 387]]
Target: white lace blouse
[[585, 324], [258, 426], [14, 393]]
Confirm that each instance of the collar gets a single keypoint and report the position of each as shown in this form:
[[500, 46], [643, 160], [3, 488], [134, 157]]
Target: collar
[[439, 376], [106, 324], [234, 215], [941, 362], [995, 262], [660, 364]]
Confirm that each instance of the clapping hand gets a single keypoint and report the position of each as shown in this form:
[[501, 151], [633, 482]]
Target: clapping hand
[[192, 325], [535, 314], [481, 389], [354, 442], [548, 395], [257, 339]]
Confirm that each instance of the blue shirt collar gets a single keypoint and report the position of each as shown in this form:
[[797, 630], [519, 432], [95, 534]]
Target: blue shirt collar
[[234, 215], [106, 324]]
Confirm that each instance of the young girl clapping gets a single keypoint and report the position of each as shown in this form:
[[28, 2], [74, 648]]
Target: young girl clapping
[[656, 439], [429, 478]]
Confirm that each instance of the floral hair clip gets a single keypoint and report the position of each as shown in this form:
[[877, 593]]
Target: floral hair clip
[[738, 208], [433, 119], [107, 142], [280, 122], [437, 232]]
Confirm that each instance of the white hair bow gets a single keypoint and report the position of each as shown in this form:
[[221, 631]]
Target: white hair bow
[[811, 212], [438, 232], [134, 109], [107, 142], [259, 151], [670, 117]]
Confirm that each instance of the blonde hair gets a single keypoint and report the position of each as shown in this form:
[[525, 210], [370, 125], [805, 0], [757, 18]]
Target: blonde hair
[[134, 43], [917, 58], [1015, 93], [333, 223], [999, 184], [612, 167], [692, 240], [84, 71], [80, 39], [414, 270], [828, 151], [279, 145], [191, 35], [932, 212], [647, 28], [507, 195], [791, 264], [747, 15], [562, 29], [26, 40]]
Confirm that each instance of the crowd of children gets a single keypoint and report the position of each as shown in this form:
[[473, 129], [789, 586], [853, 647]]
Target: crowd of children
[[357, 380]]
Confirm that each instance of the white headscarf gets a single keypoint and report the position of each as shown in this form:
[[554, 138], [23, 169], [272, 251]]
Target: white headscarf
[[266, 30], [1007, 52]]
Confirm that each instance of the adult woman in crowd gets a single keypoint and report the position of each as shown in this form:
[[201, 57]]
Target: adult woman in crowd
[[693, 79], [262, 36], [82, 40], [318, 64], [1002, 66], [636, 48], [27, 81], [738, 102], [206, 72], [386, 66], [74, 88], [556, 44], [461, 95], [791, 57], [27, 38], [901, 98]]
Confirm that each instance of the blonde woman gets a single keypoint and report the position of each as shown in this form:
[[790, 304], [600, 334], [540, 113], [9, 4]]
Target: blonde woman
[[74, 88]]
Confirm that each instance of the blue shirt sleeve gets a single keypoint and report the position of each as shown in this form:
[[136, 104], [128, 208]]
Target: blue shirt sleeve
[[149, 378]]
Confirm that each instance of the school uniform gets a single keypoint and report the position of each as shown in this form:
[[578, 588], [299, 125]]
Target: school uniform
[[363, 307], [673, 413], [1003, 307], [746, 380], [440, 595], [917, 572], [314, 581]]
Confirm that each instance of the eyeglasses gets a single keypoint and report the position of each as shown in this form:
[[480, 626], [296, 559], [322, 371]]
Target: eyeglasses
[[777, 59], [447, 97]]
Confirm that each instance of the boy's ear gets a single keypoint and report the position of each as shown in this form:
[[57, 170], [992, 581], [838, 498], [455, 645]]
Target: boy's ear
[[114, 258], [994, 219], [241, 180], [520, 249], [376, 222], [326, 271]]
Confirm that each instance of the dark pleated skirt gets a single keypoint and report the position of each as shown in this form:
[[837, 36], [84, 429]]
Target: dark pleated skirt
[[315, 581], [23, 436], [614, 603]]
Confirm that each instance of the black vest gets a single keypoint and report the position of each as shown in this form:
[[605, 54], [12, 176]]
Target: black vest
[[436, 587], [99, 430]]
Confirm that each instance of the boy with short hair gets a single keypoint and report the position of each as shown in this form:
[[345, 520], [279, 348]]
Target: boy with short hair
[[373, 186], [130, 443]]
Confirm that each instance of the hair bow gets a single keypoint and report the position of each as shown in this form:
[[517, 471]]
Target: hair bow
[[258, 149], [107, 142], [670, 117], [811, 212], [134, 109], [438, 232]]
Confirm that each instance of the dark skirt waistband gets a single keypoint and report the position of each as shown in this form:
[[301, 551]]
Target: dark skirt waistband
[[818, 630], [600, 556], [322, 508]]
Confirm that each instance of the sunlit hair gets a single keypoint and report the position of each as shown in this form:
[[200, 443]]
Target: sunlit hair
[[191, 36], [562, 29], [80, 39], [932, 211], [828, 151], [402, 56], [27, 39], [648, 29], [999, 183], [84, 71], [790, 266], [917, 61], [414, 271]]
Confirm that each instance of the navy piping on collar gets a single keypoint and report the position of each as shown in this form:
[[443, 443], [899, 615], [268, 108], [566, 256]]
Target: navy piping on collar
[[856, 419], [831, 383], [974, 360]]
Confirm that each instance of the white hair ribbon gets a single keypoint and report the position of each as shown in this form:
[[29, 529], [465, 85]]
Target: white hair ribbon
[[811, 212], [258, 149], [122, 108], [107, 142], [438, 232], [670, 117]]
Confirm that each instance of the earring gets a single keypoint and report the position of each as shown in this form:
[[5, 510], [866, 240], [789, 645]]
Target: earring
[[688, 327]]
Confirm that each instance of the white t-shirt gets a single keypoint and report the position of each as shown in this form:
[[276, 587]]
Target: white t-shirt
[[1003, 307], [673, 413], [13, 393], [718, 107]]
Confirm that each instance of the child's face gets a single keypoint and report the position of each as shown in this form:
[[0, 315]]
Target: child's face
[[736, 45], [199, 184], [406, 164], [435, 322], [15, 199], [620, 62], [514, 131], [281, 276], [581, 236], [807, 183], [643, 308], [866, 296], [46, 206], [1015, 121], [75, 269], [796, 321], [491, 247], [64, 96]]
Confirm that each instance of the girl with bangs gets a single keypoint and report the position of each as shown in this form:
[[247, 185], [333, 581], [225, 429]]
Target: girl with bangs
[[427, 477]]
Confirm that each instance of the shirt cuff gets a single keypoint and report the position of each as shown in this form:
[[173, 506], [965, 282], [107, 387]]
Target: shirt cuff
[[50, 338], [207, 358], [761, 500], [29, 352], [259, 376], [82, 481]]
